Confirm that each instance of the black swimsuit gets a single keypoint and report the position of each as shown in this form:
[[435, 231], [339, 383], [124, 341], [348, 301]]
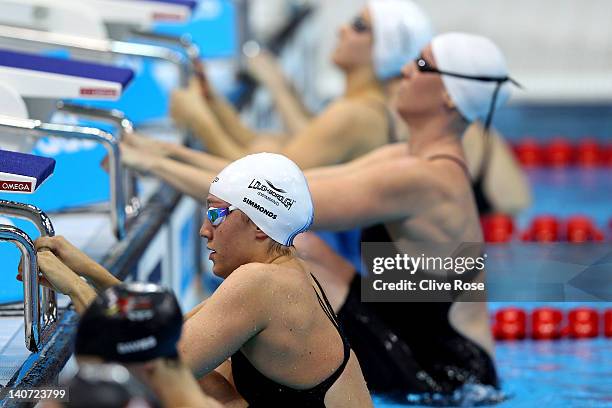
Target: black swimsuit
[[411, 347], [260, 391]]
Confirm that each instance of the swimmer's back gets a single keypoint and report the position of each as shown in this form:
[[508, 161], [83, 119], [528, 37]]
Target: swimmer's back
[[300, 348], [448, 210]]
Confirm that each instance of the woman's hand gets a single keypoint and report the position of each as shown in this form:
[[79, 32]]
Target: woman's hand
[[265, 69], [139, 160], [67, 253], [55, 274], [59, 277], [148, 144], [76, 261]]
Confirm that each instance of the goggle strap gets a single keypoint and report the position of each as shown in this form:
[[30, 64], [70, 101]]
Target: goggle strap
[[486, 135]]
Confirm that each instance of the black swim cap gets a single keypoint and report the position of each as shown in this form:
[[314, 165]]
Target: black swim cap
[[131, 322], [107, 386]]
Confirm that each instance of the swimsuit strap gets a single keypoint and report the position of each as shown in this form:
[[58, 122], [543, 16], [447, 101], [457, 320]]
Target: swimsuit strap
[[455, 159], [329, 311], [260, 390], [392, 128]]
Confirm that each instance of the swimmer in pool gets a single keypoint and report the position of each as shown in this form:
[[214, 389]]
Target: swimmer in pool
[[418, 191], [268, 327], [371, 51], [425, 196]]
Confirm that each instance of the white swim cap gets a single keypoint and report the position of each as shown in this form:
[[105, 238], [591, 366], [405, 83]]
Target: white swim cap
[[400, 29], [271, 190], [471, 55]]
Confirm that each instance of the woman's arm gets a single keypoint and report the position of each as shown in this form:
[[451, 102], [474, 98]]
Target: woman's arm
[[344, 130], [188, 179], [214, 122], [76, 260], [63, 280], [235, 312], [368, 194], [384, 153], [193, 311], [190, 110], [231, 121], [268, 72], [175, 151]]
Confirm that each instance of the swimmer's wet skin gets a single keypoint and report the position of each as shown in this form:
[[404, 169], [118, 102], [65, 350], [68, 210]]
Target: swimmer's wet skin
[[266, 335], [370, 53], [268, 203], [248, 345], [416, 348], [422, 191]]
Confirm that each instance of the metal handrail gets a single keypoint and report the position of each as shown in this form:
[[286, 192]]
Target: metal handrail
[[118, 119], [45, 229], [31, 303], [184, 42], [38, 129]]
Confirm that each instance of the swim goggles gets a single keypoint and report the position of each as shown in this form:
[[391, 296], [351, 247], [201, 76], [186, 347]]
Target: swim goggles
[[359, 25], [217, 215], [424, 66]]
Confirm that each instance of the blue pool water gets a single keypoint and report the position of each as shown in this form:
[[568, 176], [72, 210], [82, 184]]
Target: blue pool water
[[547, 374], [565, 373]]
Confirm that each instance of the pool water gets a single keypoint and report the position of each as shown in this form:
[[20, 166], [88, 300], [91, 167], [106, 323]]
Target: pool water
[[544, 374], [564, 373]]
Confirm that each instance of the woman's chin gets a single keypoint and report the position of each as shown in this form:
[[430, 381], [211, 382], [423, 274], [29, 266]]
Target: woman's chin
[[336, 60]]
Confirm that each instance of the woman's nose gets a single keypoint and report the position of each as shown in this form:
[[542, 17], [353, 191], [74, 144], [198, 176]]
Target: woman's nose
[[343, 30], [206, 230], [408, 69]]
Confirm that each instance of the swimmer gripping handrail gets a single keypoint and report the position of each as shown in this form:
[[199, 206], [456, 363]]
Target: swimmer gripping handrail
[[45, 229], [117, 118], [30, 283], [20, 35], [38, 129]]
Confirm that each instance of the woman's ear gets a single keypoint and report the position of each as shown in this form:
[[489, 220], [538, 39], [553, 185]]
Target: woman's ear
[[259, 234]]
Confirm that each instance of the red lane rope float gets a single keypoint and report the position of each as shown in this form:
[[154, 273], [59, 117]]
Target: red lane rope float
[[559, 152], [529, 153], [543, 228], [550, 323], [608, 323], [576, 229], [497, 228], [510, 324], [546, 323]]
